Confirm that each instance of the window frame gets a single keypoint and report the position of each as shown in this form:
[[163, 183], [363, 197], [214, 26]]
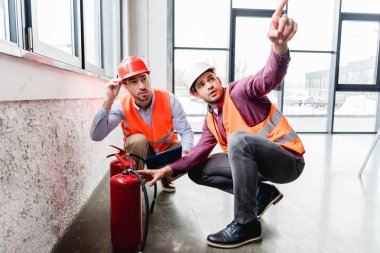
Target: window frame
[[87, 65], [47, 50], [345, 16]]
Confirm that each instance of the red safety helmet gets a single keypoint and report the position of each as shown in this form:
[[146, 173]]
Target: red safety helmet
[[132, 66]]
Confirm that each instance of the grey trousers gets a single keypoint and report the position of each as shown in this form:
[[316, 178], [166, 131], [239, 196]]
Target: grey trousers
[[250, 160]]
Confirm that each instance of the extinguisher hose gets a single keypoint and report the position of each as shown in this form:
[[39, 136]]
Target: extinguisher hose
[[155, 185], [146, 223]]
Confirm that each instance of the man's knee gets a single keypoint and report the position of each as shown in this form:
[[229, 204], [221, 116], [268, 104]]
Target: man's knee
[[237, 138], [194, 176], [243, 139], [136, 141]]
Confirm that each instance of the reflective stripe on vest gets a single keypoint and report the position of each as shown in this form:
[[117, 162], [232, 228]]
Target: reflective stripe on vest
[[161, 135], [274, 127]]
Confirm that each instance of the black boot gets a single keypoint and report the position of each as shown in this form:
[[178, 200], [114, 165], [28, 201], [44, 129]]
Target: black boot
[[268, 195], [236, 235]]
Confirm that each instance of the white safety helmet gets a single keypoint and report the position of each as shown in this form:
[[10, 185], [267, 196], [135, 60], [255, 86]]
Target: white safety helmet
[[195, 71]]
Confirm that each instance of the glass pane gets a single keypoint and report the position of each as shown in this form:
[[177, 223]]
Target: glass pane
[[256, 4], [355, 111], [363, 6], [2, 20], [252, 45], [251, 52], [202, 27], [195, 109], [359, 45], [273, 97], [306, 91], [92, 32], [312, 35], [59, 14]]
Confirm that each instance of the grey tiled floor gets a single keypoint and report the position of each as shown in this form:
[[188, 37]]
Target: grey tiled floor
[[328, 209]]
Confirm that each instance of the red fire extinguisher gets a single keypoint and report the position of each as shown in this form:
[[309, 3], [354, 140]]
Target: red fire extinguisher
[[125, 203]]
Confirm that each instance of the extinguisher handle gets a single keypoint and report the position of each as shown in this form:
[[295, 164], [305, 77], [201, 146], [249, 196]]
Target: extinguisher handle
[[121, 151]]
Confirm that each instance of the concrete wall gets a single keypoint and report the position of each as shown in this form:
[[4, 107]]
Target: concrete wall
[[49, 166]]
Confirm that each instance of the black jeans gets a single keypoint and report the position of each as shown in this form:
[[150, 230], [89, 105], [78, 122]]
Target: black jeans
[[251, 159]]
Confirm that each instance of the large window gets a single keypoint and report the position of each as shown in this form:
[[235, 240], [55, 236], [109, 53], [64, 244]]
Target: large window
[[58, 41], [68, 34], [306, 91], [92, 31], [333, 79], [358, 52], [251, 52], [357, 74]]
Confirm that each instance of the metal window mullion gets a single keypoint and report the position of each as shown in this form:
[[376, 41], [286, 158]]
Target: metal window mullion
[[75, 38], [335, 66], [30, 35], [81, 36], [280, 98], [231, 65]]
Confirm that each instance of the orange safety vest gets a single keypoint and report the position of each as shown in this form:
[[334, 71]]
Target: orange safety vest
[[161, 135], [274, 127]]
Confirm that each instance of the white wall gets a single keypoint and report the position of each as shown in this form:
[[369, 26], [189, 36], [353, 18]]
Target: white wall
[[151, 39]]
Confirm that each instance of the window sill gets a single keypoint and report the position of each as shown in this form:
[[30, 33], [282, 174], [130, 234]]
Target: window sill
[[10, 48]]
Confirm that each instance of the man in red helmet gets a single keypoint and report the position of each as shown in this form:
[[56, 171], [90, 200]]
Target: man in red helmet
[[149, 117]]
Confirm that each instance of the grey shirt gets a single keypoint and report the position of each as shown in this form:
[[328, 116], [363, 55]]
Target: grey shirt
[[107, 120]]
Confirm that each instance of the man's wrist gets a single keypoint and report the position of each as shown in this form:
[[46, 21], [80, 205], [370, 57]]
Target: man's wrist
[[107, 103], [280, 49], [168, 171]]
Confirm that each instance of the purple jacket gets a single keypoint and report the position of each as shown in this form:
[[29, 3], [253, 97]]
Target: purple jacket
[[249, 96]]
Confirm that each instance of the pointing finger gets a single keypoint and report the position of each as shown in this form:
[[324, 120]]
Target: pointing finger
[[280, 8]]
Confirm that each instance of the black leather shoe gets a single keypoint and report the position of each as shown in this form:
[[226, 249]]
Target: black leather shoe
[[268, 195], [236, 235]]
